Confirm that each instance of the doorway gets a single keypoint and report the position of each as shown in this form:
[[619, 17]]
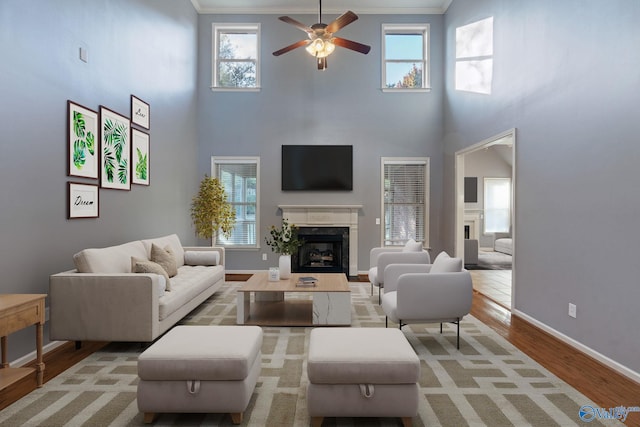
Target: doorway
[[491, 264]]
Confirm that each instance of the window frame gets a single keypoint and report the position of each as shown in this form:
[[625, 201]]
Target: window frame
[[239, 28], [245, 160], [424, 30], [426, 161]]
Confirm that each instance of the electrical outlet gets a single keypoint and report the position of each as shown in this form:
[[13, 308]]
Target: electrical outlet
[[572, 310], [264, 257], [377, 221]]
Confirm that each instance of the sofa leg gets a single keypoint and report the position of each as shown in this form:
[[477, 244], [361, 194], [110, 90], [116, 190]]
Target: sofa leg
[[236, 417], [407, 421], [440, 327], [458, 339], [78, 345], [386, 322], [379, 295], [149, 417], [317, 421]]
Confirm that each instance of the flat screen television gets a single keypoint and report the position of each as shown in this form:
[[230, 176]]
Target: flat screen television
[[317, 168]]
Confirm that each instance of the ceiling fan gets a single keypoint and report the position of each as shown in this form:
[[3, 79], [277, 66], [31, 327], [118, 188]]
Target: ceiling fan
[[321, 41]]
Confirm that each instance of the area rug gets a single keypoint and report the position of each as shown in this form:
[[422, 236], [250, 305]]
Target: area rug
[[491, 260], [488, 382]]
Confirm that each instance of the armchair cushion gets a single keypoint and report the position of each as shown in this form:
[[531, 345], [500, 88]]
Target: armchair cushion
[[412, 246], [445, 264]]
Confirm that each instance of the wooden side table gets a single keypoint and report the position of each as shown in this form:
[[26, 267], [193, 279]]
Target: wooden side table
[[18, 311]]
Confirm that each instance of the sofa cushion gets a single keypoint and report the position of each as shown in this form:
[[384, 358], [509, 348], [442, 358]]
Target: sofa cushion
[[112, 259], [201, 258], [412, 246], [173, 241], [190, 282], [146, 266], [445, 264], [373, 275], [165, 258]]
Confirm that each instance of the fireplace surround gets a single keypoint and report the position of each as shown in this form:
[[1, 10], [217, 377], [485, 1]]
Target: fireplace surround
[[329, 216]]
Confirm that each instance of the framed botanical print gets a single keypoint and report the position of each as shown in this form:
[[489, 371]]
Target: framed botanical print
[[82, 141], [82, 200], [139, 157], [140, 111], [115, 137]]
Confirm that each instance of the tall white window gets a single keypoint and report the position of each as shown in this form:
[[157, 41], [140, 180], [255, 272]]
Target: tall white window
[[405, 200], [474, 56], [236, 56], [497, 205], [239, 176], [405, 57]]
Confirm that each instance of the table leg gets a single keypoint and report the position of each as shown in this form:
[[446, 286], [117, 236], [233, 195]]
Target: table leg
[[39, 363], [3, 342], [243, 309]]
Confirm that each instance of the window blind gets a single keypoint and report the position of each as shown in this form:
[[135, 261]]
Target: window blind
[[240, 181], [405, 202]]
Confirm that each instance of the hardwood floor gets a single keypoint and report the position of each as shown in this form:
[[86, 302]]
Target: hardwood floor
[[605, 387], [495, 284]]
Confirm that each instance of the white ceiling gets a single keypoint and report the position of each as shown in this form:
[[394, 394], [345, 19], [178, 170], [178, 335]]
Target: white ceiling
[[292, 7]]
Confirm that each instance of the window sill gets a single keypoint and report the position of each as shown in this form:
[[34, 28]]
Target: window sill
[[392, 90], [235, 89]]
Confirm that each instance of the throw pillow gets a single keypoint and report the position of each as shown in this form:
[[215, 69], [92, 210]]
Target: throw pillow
[[144, 266], [412, 246], [165, 258], [201, 258], [445, 264]]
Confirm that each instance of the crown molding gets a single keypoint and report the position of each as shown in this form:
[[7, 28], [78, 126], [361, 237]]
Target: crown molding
[[306, 10]]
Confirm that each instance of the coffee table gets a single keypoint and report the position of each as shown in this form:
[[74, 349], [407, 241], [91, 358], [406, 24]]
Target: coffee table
[[282, 303]]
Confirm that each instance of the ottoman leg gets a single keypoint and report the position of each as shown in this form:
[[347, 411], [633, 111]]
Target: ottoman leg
[[407, 421], [317, 421], [149, 417], [236, 417]]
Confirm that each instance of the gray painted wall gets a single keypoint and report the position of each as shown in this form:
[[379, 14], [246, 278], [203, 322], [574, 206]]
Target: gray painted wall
[[342, 105], [565, 75], [146, 48]]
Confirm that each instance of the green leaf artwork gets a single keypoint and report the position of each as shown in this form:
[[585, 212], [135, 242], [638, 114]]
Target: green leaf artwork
[[82, 128], [141, 165], [115, 153]]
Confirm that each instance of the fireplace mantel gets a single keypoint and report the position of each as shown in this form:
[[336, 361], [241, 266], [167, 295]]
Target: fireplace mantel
[[328, 216]]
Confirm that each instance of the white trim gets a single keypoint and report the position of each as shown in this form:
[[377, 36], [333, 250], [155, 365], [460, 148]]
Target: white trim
[[32, 356], [409, 28], [313, 10], [621, 369], [216, 27]]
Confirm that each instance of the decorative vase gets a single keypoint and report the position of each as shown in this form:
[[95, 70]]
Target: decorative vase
[[284, 264]]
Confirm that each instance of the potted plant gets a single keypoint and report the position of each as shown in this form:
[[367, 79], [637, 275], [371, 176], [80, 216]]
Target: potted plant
[[285, 242], [211, 212]]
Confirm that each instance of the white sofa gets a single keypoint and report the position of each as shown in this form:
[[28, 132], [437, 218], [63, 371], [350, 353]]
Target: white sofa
[[103, 300], [503, 243]]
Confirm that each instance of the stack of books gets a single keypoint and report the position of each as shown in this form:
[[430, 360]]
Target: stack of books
[[307, 281]]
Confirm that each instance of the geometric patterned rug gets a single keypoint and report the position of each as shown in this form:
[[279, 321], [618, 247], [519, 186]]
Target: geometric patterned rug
[[488, 382]]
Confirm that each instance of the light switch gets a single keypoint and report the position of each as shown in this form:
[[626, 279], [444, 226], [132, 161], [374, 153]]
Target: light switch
[[84, 54]]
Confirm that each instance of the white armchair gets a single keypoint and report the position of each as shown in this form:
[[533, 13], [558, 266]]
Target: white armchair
[[380, 258], [435, 293]]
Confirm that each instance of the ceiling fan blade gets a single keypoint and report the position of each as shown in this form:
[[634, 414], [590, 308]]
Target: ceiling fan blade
[[358, 47], [342, 21], [291, 47], [296, 24]]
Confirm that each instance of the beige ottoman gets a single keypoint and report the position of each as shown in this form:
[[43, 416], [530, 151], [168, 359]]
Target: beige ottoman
[[362, 372], [210, 369]]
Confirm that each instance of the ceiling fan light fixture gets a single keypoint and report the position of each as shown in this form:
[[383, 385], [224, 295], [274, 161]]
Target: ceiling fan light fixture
[[320, 48]]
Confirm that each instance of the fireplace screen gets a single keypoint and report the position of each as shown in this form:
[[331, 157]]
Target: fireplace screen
[[325, 249]]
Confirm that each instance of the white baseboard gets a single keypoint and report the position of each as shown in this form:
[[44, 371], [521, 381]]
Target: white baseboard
[[621, 369], [32, 356]]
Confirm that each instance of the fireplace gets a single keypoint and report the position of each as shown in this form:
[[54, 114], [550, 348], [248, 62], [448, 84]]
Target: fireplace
[[325, 250], [319, 217]]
